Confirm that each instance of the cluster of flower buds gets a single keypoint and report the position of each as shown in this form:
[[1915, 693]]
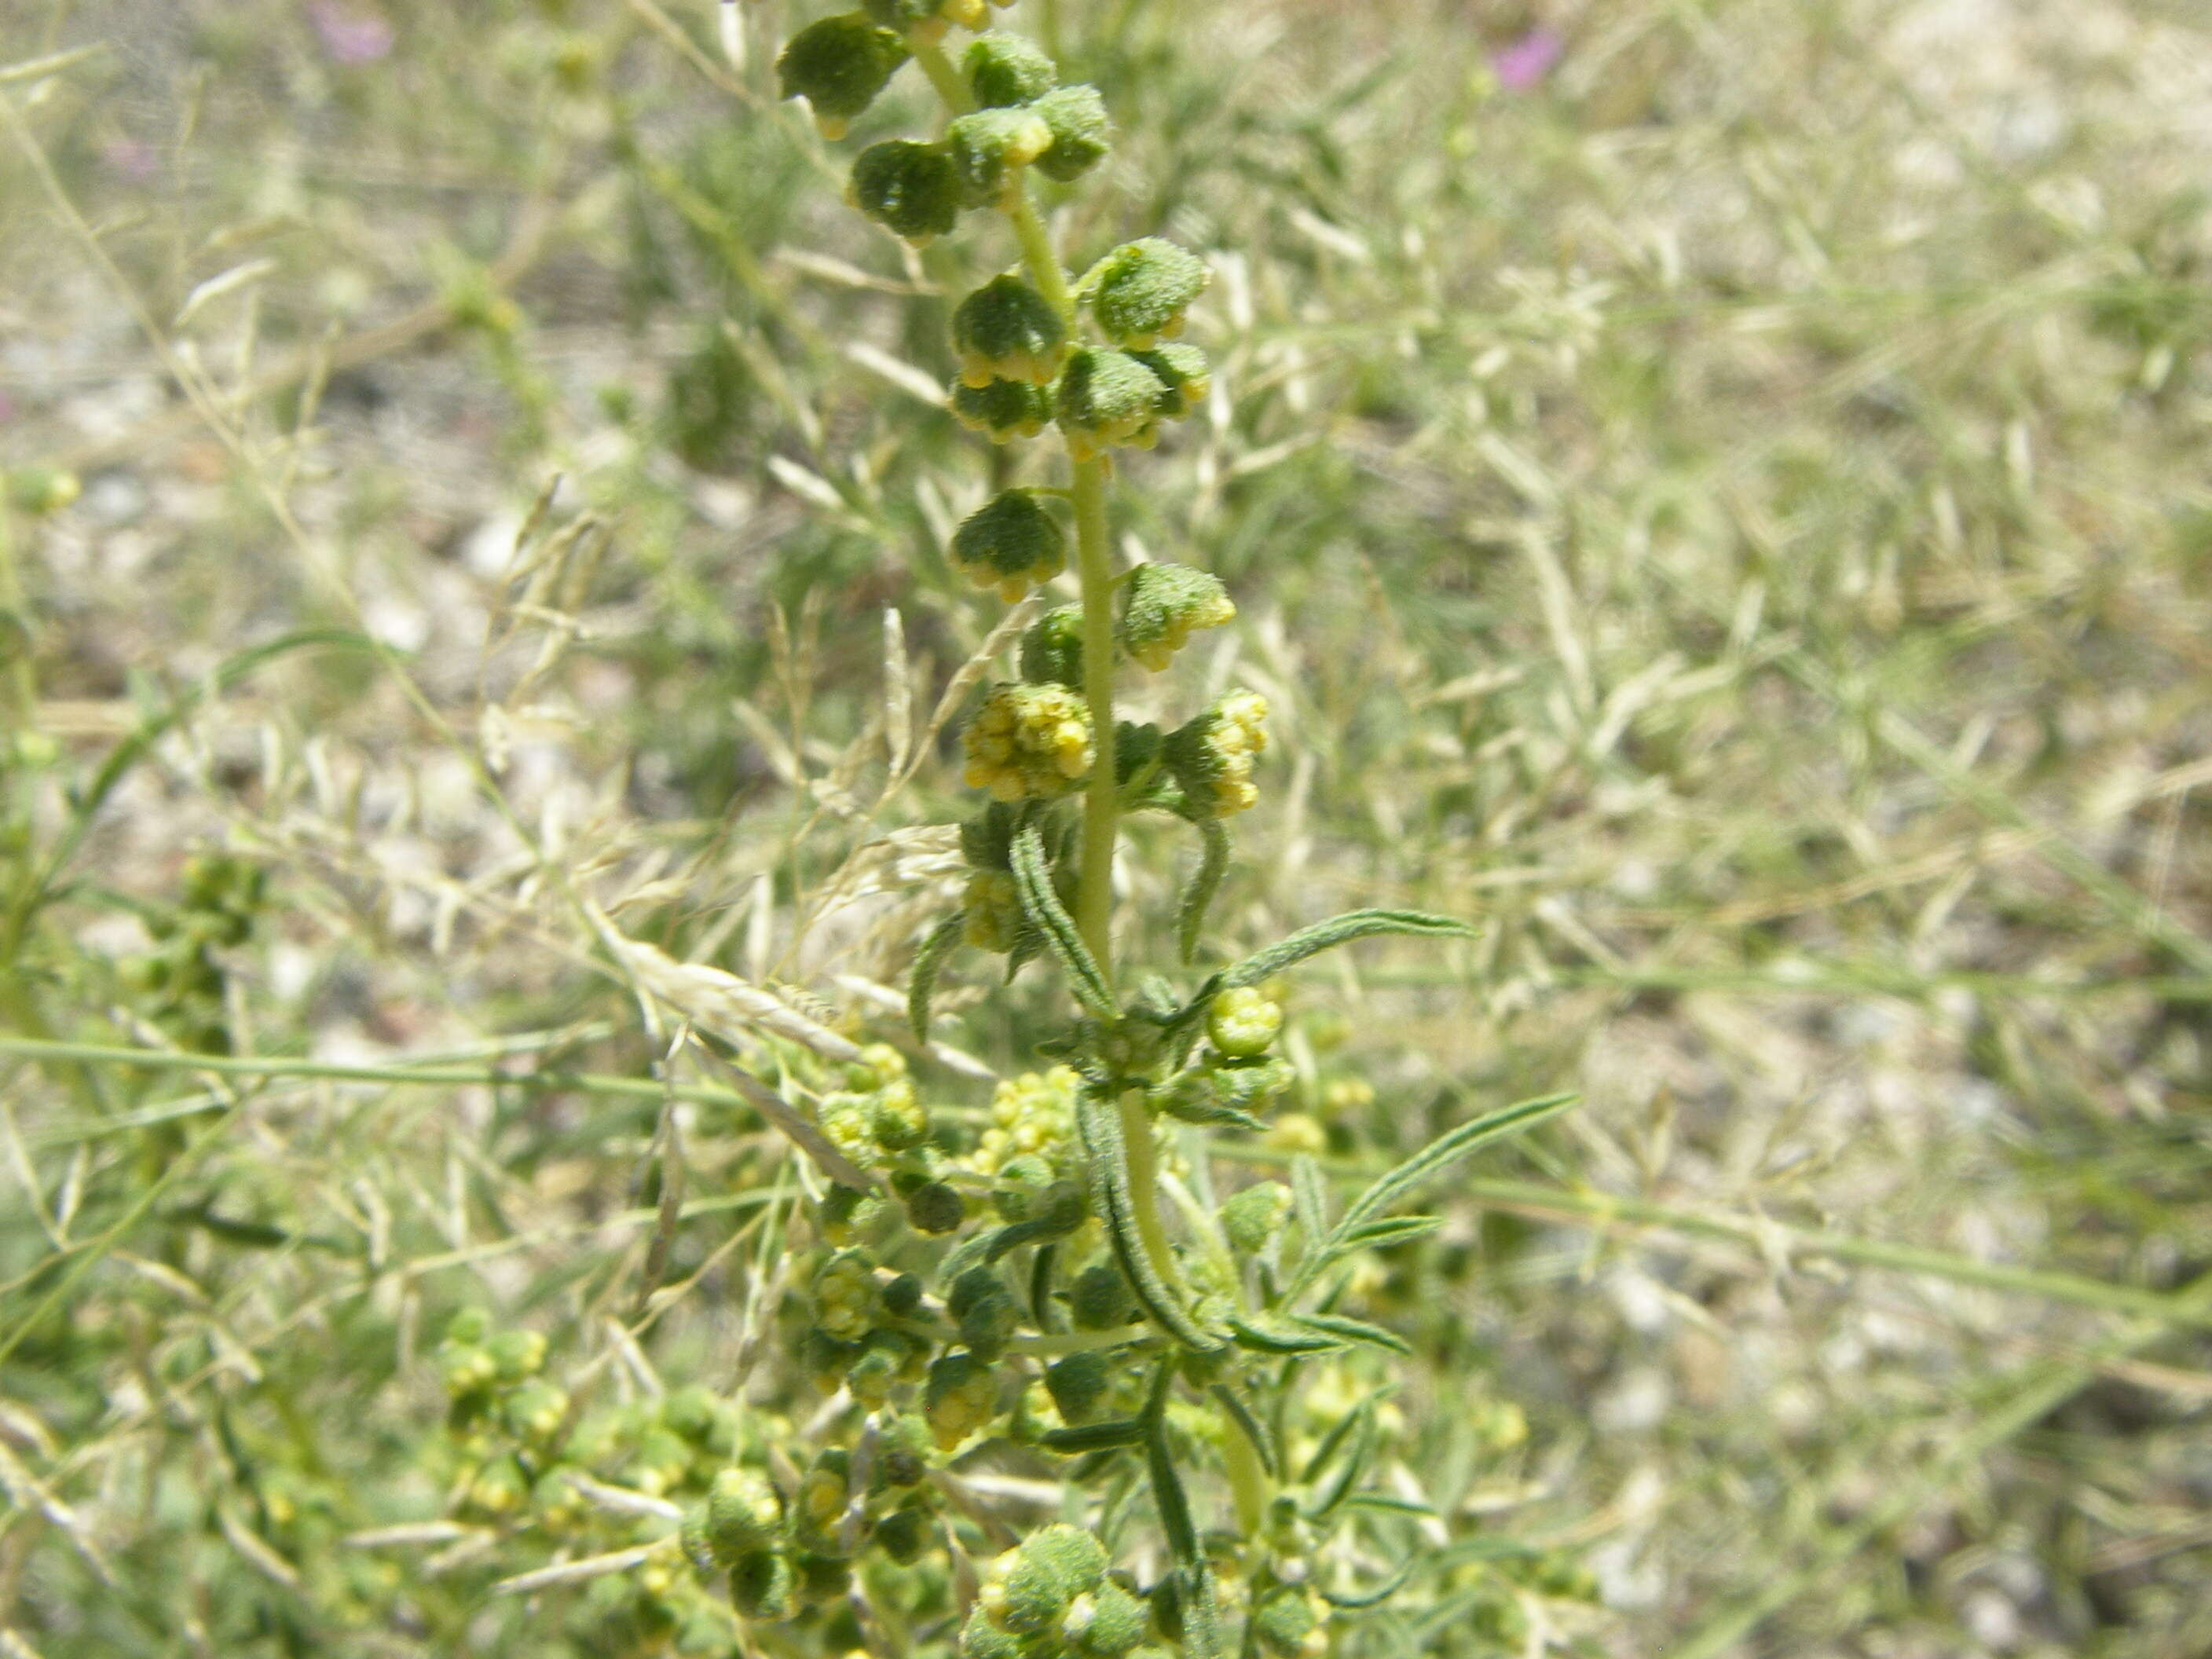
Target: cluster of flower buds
[[1162, 605], [1010, 543], [1051, 1598], [1029, 743], [1211, 756]]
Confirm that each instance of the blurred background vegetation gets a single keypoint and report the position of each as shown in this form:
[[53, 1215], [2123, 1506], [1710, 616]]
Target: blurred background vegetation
[[1715, 493]]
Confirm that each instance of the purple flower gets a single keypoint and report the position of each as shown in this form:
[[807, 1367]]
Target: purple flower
[[1522, 66], [348, 36]]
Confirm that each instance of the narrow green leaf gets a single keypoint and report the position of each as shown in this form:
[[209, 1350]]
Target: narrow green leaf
[[1280, 1339], [1095, 1436], [1041, 905], [1352, 1602], [1343, 1475], [1354, 1330], [1391, 1230], [1438, 1154], [1240, 1414], [1309, 1200], [1099, 1126], [1340, 929], [921, 985], [1194, 1578], [1205, 882]]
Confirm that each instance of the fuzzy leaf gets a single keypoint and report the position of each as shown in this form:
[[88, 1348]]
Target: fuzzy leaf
[[1391, 1230], [921, 985], [1338, 1476], [1381, 1593], [1041, 905], [1240, 1414], [1281, 1338], [1264, 965], [1440, 1154], [1354, 1330], [1098, 1126], [1201, 1621], [1205, 882], [1095, 1436]]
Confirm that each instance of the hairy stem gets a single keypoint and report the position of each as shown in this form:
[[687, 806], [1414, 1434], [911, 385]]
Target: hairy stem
[[1101, 805], [1145, 1185]]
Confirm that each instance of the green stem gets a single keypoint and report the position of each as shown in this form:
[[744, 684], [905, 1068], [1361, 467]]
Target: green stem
[[945, 76], [1145, 1185], [1039, 257], [1101, 803], [1248, 1481]]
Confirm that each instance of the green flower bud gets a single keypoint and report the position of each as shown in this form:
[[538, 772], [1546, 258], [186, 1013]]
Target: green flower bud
[[1008, 68], [744, 1515], [897, 1120], [38, 490], [1286, 1623], [516, 1354], [979, 1638], [1003, 410], [1010, 542], [1080, 1383], [1184, 371], [1029, 743], [1162, 604], [1029, 1590], [1108, 1621], [1052, 647], [845, 1294], [1139, 291], [467, 1371], [1254, 1217], [469, 1326], [1107, 399], [960, 1397], [903, 1297], [1231, 1093], [822, 1493], [909, 189], [693, 1412], [905, 1533], [926, 22], [1034, 1113], [1081, 134], [849, 1120], [499, 1488], [902, 1452], [985, 1310], [534, 1411], [879, 1066], [1019, 1192], [556, 1502], [1101, 1300], [1005, 330], [1211, 756], [662, 1462], [990, 148], [838, 66], [828, 1358], [934, 1207], [764, 1586], [840, 1211], [1243, 1022]]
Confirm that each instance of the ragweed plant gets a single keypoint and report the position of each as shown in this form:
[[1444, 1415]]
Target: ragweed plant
[[1212, 1402]]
